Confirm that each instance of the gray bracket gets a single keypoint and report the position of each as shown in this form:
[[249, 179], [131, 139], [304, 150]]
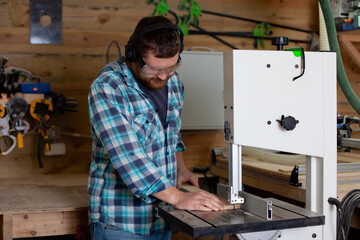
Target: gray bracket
[[51, 34], [257, 205]]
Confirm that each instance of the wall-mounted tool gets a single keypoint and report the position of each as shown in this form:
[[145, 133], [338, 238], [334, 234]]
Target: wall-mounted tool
[[2, 74], [61, 103], [260, 31], [5, 146], [2, 111], [41, 109], [17, 108], [345, 128], [11, 79], [40, 87]]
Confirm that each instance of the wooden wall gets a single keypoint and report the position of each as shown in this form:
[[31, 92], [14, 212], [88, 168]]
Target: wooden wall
[[88, 26]]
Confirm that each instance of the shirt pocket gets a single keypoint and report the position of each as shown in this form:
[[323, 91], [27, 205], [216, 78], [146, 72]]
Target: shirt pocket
[[146, 128], [175, 117]]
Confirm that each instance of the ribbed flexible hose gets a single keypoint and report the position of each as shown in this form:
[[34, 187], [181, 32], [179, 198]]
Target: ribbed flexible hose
[[324, 40], [334, 46]]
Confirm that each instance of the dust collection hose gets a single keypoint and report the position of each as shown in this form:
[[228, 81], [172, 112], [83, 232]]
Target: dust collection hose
[[334, 46]]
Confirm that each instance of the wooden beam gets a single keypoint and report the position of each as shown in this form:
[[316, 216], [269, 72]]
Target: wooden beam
[[6, 229], [348, 39], [48, 223]]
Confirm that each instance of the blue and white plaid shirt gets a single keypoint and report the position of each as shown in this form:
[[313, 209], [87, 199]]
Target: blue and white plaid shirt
[[133, 156]]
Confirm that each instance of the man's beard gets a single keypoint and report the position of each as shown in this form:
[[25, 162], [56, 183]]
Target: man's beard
[[153, 83]]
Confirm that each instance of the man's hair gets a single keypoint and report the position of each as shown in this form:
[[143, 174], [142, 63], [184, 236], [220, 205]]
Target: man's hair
[[163, 43]]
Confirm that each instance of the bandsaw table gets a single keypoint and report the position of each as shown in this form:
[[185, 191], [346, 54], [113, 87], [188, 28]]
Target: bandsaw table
[[278, 101]]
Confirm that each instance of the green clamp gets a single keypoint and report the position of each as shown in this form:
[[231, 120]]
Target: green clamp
[[182, 23], [161, 8], [194, 11], [182, 5], [297, 51], [260, 31]]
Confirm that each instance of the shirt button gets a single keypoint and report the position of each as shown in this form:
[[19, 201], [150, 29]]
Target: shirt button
[[168, 176], [131, 154]]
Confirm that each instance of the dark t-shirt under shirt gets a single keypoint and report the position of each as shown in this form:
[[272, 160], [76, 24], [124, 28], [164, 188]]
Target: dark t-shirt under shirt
[[159, 100]]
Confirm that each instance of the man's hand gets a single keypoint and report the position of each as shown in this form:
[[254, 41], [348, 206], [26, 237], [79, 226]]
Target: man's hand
[[184, 175], [198, 201], [202, 201]]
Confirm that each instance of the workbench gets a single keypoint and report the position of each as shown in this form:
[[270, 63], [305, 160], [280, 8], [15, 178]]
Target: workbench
[[48, 211], [43, 205]]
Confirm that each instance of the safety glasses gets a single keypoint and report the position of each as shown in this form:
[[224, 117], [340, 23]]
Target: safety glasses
[[155, 71]]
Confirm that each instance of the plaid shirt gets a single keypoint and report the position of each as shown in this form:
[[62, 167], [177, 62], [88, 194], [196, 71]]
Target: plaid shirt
[[133, 156]]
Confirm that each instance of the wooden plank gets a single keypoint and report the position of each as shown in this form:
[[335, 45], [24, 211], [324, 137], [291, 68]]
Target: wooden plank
[[6, 227], [348, 157], [48, 223], [220, 172], [16, 40], [348, 39], [265, 167], [269, 169], [199, 146], [4, 14], [274, 186]]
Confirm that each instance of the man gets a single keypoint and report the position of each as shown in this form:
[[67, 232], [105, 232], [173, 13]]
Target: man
[[135, 114]]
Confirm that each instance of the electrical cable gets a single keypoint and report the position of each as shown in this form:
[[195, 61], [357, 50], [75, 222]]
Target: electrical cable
[[240, 34], [107, 49], [345, 210], [203, 30], [202, 47], [348, 204], [214, 36], [254, 21]]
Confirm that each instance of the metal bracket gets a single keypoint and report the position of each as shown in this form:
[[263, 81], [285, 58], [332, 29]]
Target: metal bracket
[[49, 34], [225, 192], [257, 205], [294, 177], [249, 202]]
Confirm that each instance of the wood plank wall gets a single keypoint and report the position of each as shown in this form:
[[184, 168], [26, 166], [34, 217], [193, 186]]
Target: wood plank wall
[[88, 25]]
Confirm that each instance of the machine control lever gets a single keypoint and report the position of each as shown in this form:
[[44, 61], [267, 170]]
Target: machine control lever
[[280, 42], [289, 122], [227, 130]]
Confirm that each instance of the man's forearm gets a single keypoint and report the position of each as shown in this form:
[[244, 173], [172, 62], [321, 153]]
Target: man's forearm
[[170, 195], [180, 161]]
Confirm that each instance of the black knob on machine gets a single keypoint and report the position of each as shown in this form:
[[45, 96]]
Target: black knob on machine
[[280, 42], [289, 122]]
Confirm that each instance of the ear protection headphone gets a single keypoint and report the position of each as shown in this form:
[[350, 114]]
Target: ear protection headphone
[[130, 53]]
